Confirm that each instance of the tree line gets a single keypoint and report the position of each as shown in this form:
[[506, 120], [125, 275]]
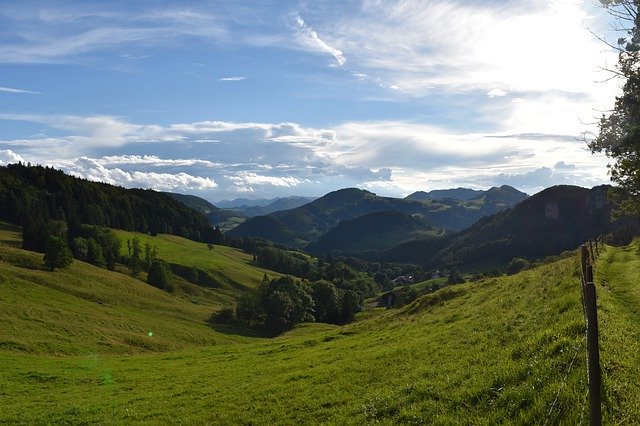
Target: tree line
[[281, 303], [33, 196]]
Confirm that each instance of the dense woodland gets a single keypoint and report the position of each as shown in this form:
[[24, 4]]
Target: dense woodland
[[34, 195]]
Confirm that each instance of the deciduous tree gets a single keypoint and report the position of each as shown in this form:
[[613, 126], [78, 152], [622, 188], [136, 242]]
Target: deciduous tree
[[619, 132], [57, 254]]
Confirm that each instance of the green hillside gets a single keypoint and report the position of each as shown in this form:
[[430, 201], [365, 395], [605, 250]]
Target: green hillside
[[306, 224], [230, 268], [374, 231], [88, 310], [507, 349]]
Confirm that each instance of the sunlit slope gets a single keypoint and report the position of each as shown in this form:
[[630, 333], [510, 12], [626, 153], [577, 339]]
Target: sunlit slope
[[229, 266], [618, 291], [504, 350], [85, 309]]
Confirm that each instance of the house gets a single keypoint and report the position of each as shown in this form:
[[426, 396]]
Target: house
[[388, 299], [403, 280]]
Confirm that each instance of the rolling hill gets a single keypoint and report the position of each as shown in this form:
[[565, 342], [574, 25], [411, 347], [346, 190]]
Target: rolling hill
[[374, 231], [556, 219], [505, 194], [462, 194], [310, 221], [224, 219], [32, 194], [265, 206], [86, 345]]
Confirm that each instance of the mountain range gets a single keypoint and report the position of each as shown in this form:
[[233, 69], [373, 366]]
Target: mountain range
[[308, 223], [489, 229], [556, 219], [263, 206]]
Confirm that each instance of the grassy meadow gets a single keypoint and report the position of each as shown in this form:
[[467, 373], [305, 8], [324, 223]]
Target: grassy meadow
[[229, 266], [86, 345]]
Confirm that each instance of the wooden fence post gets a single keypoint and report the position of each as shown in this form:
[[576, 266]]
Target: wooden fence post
[[593, 351], [584, 262]]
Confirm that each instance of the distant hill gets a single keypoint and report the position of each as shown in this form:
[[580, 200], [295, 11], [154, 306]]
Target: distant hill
[[267, 228], [462, 194], [313, 219], [504, 193], [240, 202], [196, 203], [556, 219], [275, 205], [225, 219], [37, 194], [310, 221], [374, 231]]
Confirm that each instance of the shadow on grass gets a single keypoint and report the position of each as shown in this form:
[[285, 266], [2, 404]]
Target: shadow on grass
[[234, 328], [11, 241]]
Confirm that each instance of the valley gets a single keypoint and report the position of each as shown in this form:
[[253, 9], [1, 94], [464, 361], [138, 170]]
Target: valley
[[514, 351]]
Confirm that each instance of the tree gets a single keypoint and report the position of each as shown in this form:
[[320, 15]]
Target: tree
[[327, 302], [455, 277], [135, 263], [57, 254], [94, 253], [158, 275], [80, 248], [150, 254], [619, 133], [516, 265]]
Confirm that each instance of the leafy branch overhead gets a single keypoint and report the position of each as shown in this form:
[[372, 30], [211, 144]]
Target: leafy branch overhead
[[619, 135]]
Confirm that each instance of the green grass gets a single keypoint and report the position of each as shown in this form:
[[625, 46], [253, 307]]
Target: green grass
[[502, 350], [230, 266], [85, 309], [618, 292]]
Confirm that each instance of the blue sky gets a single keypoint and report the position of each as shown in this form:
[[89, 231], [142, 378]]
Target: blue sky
[[275, 98]]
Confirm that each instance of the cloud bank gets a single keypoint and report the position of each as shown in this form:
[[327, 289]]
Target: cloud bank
[[395, 157]]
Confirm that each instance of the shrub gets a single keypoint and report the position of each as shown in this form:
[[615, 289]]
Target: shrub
[[516, 265]]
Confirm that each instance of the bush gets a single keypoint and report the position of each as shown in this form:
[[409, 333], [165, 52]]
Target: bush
[[455, 277], [225, 316], [517, 264]]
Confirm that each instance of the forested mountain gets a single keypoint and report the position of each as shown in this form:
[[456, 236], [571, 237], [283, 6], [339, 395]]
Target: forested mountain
[[556, 219], [310, 221], [375, 231], [30, 194], [198, 204], [218, 217], [505, 193], [462, 194], [275, 205]]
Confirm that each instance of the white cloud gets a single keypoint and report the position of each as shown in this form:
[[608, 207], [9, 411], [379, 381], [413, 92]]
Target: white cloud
[[246, 179], [234, 78], [43, 34], [394, 156], [310, 39], [8, 157], [457, 46], [10, 90], [496, 93], [152, 160], [91, 169]]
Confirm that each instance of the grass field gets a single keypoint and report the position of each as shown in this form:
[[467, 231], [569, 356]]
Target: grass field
[[231, 267], [508, 349]]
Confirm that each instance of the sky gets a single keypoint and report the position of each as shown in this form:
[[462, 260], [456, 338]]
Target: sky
[[276, 98]]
